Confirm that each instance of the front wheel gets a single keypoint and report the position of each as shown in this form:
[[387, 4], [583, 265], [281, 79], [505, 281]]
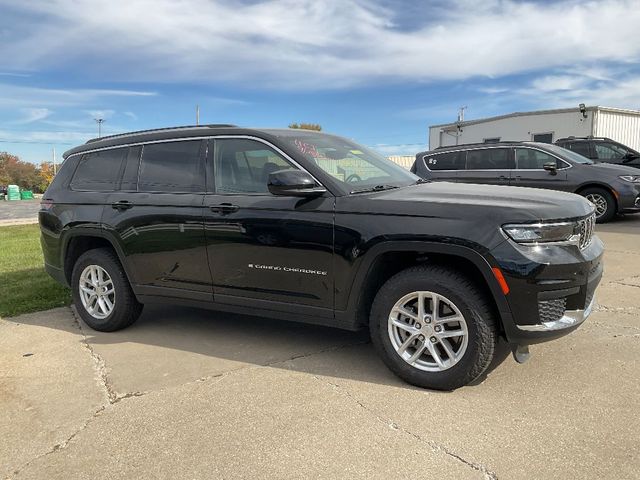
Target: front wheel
[[604, 203], [101, 291], [433, 327]]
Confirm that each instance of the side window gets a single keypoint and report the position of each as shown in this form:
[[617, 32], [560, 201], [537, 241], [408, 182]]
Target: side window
[[172, 167], [530, 159], [609, 151], [243, 166], [445, 161], [488, 159], [130, 176], [581, 148], [98, 171]]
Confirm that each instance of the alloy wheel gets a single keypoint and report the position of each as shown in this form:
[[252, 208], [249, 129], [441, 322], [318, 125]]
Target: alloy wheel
[[428, 331], [97, 292], [599, 202]]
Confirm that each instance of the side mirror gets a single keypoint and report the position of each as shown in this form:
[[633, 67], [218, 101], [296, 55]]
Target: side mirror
[[551, 167], [631, 156], [294, 183]]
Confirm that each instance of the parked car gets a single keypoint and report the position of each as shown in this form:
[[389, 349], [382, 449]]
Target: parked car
[[611, 188], [602, 149], [310, 227]]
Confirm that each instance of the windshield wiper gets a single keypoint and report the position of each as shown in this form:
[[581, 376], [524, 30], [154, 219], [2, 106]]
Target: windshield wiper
[[377, 188]]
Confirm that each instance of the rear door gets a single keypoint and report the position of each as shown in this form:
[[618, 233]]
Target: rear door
[[491, 165], [529, 171], [584, 148], [156, 217]]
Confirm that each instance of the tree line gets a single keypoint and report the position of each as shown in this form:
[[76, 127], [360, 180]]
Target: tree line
[[27, 175]]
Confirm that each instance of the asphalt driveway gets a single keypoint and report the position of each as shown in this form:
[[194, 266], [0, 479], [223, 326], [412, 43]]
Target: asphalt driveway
[[190, 394]]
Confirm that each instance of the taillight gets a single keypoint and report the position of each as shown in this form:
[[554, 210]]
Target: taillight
[[46, 204]]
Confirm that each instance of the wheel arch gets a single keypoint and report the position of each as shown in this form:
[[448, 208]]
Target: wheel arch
[[385, 260], [79, 240], [602, 186]]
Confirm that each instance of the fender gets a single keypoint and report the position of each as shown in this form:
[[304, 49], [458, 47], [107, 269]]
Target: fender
[[481, 262], [95, 231]]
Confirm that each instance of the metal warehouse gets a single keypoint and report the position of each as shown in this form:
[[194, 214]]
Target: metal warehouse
[[543, 126]]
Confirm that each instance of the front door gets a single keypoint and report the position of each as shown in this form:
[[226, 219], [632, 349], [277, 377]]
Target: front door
[[529, 171], [265, 250], [156, 217]]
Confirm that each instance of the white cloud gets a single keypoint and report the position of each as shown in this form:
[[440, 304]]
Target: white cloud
[[131, 115], [316, 43], [30, 115], [19, 95], [104, 114]]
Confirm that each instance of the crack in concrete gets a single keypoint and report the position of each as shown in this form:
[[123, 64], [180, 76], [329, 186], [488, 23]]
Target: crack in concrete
[[435, 447]]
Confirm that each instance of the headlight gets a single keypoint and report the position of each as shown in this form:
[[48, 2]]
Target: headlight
[[630, 178], [565, 232]]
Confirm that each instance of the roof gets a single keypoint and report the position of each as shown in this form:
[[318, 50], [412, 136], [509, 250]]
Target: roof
[[181, 132], [536, 112], [465, 146]]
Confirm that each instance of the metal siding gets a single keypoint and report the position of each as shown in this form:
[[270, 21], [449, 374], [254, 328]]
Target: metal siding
[[622, 127]]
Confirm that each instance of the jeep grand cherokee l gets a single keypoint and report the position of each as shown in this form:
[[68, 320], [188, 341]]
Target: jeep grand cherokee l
[[611, 188], [309, 227]]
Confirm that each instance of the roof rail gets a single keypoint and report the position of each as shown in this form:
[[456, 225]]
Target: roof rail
[[186, 127]]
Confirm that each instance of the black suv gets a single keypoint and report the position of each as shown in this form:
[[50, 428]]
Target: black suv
[[314, 228], [611, 188], [602, 149]]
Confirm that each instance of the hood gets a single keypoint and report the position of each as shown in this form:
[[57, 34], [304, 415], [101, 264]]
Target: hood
[[486, 203], [614, 169]]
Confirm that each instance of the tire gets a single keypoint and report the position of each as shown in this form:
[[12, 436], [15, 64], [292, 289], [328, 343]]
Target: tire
[[604, 201], [125, 308], [449, 287]]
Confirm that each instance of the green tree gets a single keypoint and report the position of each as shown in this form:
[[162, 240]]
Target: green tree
[[306, 126], [26, 175]]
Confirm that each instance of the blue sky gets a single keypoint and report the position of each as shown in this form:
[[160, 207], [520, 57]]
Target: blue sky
[[377, 71]]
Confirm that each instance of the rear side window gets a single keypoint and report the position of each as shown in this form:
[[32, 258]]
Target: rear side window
[[581, 148], [609, 151], [445, 161], [172, 167], [98, 171], [488, 159]]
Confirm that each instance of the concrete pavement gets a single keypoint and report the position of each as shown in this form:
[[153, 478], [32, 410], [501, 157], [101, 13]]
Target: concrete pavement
[[185, 393]]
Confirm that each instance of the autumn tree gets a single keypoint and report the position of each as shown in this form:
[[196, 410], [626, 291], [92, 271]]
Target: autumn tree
[[26, 175], [306, 126]]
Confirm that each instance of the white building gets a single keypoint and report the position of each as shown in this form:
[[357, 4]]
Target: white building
[[543, 126]]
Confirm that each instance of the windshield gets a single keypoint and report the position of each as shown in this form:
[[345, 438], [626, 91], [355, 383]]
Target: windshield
[[568, 154], [355, 166]]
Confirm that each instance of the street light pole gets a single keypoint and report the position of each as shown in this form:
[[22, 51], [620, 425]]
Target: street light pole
[[99, 121]]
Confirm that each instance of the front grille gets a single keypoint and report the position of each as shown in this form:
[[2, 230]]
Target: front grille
[[551, 310], [586, 226]]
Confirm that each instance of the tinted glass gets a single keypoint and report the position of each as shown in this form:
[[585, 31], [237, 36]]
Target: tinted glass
[[130, 176], [171, 167], [529, 159], [243, 166], [567, 154], [488, 159], [98, 171], [581, 148], [609, 151], [445, 161]]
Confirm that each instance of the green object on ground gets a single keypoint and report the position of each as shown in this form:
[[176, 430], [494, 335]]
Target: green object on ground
[[13, 192], [24, 285], [26, 195]]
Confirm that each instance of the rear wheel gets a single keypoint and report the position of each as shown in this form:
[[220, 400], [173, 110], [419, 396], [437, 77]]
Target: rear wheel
[[433, 327], [603, 201], [101, 291]]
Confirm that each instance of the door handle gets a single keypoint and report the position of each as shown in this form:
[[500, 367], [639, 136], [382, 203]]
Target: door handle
[[224, 208], [122, 205]]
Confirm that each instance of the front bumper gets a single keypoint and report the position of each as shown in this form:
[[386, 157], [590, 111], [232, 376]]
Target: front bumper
[[552, 289]]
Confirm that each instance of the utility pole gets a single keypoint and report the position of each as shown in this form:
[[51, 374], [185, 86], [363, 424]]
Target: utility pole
[[197, 115], [461, 113], [99, 121], [54, 160]]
